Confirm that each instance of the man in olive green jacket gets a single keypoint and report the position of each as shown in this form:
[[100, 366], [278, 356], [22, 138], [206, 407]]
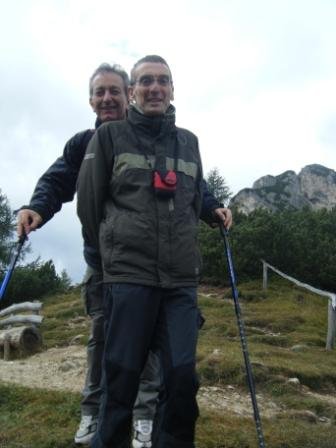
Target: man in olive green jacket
[[139, 201]]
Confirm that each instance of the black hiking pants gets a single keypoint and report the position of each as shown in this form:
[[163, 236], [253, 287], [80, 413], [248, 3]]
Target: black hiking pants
[[139, 319]]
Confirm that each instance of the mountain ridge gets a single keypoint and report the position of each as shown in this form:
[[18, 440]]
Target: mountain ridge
[[313, 187]]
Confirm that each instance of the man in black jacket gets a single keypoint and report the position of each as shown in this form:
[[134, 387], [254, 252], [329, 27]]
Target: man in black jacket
[[140, 196], [108, 99]]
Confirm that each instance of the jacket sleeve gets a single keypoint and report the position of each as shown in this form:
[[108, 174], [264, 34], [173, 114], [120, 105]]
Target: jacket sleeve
[[209, 204], [92, 186], [208, 201], [58, 184]]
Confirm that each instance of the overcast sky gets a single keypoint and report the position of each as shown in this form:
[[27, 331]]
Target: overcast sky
[[255, 80]]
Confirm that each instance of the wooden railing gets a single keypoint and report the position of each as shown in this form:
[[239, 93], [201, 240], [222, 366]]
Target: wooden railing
[[330, 343]]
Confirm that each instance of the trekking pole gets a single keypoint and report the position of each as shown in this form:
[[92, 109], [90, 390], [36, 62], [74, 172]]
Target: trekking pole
[[243, 340], [12, 264]]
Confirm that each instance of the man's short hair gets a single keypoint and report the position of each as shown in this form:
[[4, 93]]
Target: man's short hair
[[149, 58], [107, 68]]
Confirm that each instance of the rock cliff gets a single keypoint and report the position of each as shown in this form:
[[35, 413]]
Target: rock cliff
[[314, 187]]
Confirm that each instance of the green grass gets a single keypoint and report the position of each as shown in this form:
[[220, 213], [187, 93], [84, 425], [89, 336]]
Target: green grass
[[64, 318], [276, 321], [227, 431], [34, 418]]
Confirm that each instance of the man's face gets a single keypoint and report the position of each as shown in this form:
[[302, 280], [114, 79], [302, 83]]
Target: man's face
[[153, 89], [108, 98]]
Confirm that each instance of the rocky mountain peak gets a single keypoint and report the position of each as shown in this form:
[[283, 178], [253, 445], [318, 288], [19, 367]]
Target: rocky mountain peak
[[314, 187]]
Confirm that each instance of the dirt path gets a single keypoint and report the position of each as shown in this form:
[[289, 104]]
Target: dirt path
[[56, 368], [64, 369]]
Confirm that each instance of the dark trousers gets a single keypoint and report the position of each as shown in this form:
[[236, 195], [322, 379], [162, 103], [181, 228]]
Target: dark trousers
[[92, 293], [150, 382], [145, 405], [139, 319]]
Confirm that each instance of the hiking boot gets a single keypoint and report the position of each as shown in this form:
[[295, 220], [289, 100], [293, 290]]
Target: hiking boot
[[86, 430], [142, 434]]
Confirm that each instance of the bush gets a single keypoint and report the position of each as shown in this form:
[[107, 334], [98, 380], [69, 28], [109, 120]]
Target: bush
[[33, 281], [298, 242]]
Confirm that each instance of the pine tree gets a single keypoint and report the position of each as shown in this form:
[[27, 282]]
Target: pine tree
[[218, 187], [6, 229], [214, 263]]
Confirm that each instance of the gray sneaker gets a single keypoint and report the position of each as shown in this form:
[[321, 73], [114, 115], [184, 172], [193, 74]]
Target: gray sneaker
[[142, 434], [86, 430]]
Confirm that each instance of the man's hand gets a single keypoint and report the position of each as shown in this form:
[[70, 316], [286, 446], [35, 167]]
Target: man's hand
[[27, 220], [224, 215]]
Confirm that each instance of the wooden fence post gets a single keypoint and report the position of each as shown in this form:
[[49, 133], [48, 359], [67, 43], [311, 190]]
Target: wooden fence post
[[264, 275], [331, 326]]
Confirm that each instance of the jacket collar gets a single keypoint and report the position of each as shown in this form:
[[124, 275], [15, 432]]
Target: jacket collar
[[152, 125], [98, 122]]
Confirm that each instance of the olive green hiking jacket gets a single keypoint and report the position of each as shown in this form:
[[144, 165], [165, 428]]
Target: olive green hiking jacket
[[143, 238]]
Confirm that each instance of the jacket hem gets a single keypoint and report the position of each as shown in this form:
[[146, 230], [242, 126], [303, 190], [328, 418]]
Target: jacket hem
[[149, 282]]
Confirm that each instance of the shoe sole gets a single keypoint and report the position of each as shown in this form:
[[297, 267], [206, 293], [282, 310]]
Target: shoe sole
[[137, 444], [84, 440]]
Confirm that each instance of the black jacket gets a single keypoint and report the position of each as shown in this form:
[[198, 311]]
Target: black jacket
[[58, 185]]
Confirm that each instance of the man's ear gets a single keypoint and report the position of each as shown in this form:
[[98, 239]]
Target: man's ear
[[172, 94], [90, 101]]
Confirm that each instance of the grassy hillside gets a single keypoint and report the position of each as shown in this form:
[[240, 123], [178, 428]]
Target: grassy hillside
[[286, 329]]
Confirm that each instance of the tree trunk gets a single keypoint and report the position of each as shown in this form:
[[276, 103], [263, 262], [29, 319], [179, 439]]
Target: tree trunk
[[26, 339], [21, 319], [27, 306]]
